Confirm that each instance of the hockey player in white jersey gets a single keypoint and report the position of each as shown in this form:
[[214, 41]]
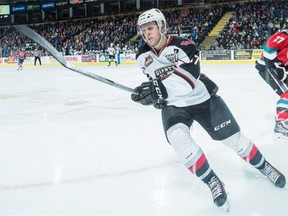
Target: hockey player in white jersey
[[112, 52], [184, 95]]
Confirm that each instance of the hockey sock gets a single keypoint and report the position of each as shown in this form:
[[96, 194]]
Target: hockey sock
[[255, 158], [282, 107], [201, 169]]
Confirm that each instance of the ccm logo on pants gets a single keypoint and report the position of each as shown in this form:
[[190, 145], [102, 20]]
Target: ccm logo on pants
[[222, 125]]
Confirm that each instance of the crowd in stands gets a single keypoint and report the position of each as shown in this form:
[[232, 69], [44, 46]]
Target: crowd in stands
[[92, 34], [96, 34], [251, 25], [194, 22], [75, 37], [249, 28]]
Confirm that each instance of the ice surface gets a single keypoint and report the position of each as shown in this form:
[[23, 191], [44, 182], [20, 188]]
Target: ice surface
[[71, 145]]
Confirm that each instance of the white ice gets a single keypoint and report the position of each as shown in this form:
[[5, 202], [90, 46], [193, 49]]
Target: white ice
[[71, 145]]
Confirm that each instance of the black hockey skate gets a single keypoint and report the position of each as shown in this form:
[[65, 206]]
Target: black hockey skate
[[275, 176], [218, 191]]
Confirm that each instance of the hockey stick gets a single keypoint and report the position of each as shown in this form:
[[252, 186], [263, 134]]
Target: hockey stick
[[30, 33], [282, 85]]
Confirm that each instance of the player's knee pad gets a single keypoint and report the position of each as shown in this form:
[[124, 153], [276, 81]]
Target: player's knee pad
[[239, 143], [183, 144], [178, 133]]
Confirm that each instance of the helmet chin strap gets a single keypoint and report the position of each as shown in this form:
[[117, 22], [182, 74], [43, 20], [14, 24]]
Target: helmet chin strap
[[160, 41]]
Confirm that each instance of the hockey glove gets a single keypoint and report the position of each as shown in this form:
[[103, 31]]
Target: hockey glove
[[151, 93], [280, 71], [143, 94]]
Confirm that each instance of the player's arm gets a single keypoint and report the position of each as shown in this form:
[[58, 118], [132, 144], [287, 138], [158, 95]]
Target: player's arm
[[188, 58], [272, 56], [189, 65]]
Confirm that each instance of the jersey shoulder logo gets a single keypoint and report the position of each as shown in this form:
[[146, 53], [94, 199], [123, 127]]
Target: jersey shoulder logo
[[148, 61]]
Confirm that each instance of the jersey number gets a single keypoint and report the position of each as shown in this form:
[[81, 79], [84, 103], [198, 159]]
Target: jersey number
[[278, 39]]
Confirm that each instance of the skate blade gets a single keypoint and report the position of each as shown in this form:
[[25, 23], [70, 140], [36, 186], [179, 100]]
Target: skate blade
[[280, 137], [226, 205]]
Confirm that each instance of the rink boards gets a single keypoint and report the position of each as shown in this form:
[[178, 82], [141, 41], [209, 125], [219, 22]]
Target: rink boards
[[207, 57]]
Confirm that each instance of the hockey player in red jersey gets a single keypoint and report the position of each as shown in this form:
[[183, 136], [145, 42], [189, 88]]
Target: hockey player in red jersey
[[21, 56], [184, 95], [273, 68]]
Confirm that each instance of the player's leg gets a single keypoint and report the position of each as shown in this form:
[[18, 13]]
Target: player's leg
[[281, 88], [20, 64], [250, 153], [109, 60], [224, 127], [281, 125], [177, 129], [115, 60]]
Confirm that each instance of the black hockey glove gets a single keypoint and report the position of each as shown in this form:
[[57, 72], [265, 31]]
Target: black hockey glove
[[143, 94], [280, 71], [151, 93]]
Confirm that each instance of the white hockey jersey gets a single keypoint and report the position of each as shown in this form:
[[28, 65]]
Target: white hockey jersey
[[111, 51], [177, 65]]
